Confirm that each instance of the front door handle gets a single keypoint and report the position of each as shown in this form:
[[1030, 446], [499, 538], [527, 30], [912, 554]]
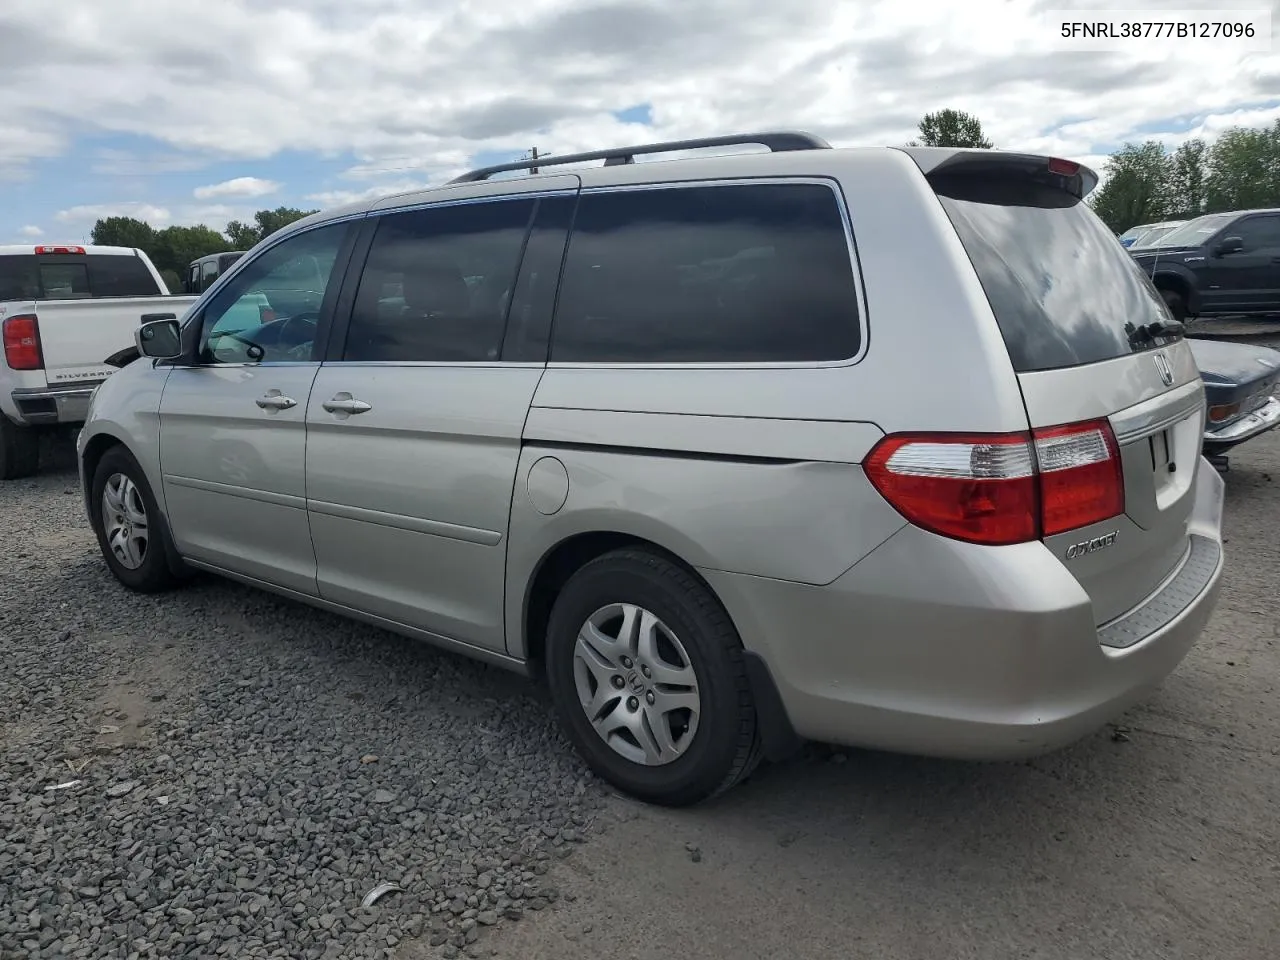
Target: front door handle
[[276, 401], [346, 403]]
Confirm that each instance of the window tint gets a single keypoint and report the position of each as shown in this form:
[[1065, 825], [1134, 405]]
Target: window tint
[[74, 277], [1258, 233], [438, 282], [741, 273], [64, 281], [19, 277], [117, 276], [269, 311], [1063, 291], [208, 274]]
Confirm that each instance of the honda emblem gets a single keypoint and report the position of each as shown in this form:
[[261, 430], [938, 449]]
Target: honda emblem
[[1163, 368]]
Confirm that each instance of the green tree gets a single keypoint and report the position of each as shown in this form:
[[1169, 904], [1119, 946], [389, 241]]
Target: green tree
[[172, 282], [269, 221], [123, 232], [1188, 173], [1137, 186], [241, 236], [1244, 169], [176, 247], [951, 128]]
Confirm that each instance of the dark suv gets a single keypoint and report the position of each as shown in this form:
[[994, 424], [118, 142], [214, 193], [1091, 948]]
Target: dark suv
[[1218, 265]]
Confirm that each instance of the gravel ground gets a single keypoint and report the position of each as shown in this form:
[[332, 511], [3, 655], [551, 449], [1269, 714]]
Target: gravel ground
[[243, 770]]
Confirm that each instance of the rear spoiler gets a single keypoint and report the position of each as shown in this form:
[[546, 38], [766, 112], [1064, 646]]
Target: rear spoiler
[[1068, 175]]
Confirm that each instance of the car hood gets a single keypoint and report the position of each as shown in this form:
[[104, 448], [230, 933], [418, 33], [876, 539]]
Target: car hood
[[1233, 363]]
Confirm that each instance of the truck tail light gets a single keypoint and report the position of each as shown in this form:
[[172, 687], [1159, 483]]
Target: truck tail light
[[22, 342], [1001, 488]]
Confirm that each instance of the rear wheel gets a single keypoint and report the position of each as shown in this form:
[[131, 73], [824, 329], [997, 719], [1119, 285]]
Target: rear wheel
[[127, 521], [648, 677], [19, 450], [1176, 303]]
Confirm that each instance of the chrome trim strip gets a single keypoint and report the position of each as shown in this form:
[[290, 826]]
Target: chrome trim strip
[[1149, 416], [435, 528], [81, 388]]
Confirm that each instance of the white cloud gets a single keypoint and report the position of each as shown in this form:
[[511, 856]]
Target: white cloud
[[414, 91], [31, 231], [156, 216], [238, 187]]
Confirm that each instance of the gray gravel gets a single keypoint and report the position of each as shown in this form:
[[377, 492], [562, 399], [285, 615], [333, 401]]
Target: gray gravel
[[245, 769]]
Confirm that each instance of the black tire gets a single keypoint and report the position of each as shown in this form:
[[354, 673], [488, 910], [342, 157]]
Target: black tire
[[153, 574], [1176, 303], [19, 450], [725, 745]]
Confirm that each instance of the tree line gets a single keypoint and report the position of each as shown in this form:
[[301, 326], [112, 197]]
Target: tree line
[[171, 249], [1147, 183]]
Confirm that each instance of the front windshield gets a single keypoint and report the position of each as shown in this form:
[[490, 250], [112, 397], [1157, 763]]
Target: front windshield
[[1149, 238], [1194, 232]]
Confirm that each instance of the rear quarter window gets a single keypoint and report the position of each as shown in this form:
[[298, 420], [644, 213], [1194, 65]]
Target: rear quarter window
[[1063, 292], [708, 274]]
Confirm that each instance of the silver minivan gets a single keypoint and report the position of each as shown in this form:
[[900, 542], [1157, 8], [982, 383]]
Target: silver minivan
[[884, 447]]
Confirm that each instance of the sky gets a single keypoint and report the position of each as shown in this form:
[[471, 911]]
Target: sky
[[177, 111]]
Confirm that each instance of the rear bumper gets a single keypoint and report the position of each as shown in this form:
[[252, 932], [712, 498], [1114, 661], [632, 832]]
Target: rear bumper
[[45, 406], [1265, 418], [935, 647]]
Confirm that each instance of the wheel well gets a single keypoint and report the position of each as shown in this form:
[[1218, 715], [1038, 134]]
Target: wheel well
[[564, 560], [1171, 281], [95, 450]]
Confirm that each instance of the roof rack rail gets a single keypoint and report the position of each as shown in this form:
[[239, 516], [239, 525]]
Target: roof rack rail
[[777, 141]]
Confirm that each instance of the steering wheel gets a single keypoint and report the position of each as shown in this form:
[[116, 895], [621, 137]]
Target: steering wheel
[[309, 317]]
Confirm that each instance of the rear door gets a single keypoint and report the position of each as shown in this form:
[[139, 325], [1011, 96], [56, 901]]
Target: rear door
[[1072, 307], [414, 426]]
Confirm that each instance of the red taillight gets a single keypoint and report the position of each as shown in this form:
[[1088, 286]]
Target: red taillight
[[22, 342], [1065, 168], [51, 249], [1081, 479], [1001, 488]]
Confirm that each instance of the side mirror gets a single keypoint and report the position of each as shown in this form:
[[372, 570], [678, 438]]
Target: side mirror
[[1229, 245], [159, 339]]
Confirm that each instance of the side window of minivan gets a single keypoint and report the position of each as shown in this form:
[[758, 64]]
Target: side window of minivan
[[270, 310], [438, 282], [732, 273]]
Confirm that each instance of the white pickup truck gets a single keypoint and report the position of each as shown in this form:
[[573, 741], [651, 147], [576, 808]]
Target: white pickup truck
[[64, 309]]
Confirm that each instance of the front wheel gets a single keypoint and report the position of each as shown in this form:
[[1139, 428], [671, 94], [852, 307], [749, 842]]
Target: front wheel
[[128, 524], [647, 674]]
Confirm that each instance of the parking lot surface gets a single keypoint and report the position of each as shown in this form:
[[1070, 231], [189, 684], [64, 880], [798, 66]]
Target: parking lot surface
[[220, 772]]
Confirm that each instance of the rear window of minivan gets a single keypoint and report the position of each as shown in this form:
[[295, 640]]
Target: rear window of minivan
[[1063, 291], [29, 276]]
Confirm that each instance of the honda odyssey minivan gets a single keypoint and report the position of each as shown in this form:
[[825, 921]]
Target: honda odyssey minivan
[[885, 447]]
